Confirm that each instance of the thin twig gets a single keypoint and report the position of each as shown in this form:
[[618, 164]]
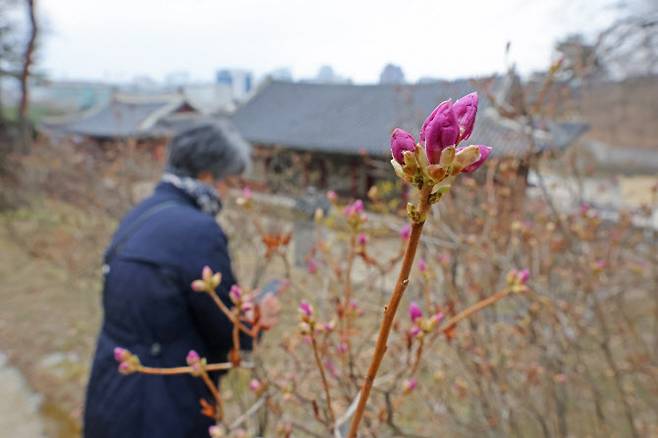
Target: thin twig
[[325, 383]]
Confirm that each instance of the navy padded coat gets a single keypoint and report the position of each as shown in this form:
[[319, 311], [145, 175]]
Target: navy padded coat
[[151, 310]]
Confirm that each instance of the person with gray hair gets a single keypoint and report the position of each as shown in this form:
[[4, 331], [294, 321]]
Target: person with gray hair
[[150, 309]]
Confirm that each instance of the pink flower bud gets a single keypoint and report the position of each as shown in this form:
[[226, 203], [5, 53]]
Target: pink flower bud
[[306, 309], [329, 326], [331, 196], [401, 141], [465, 110], [355, 309], [215, 432], [414, 331], [199, 286], [192, 358], [422, 266], [255, 385], [485, 151], [409, 385], [341, 347], [354, 208], [235, 294], [125, 368], [523, 276], [247, 193], [600, 265], [206, 273], [405, 232], [441, 130], [362, 239], [414, 311], [121, 354], [437, 318]]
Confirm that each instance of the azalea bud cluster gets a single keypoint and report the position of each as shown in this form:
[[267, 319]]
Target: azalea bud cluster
[[209, 281], [128, 362], [517, 280], [196, 362], [438, 158], [420, 325]]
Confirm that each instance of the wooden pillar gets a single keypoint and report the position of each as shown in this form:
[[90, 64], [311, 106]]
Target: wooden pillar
[[355, 178]]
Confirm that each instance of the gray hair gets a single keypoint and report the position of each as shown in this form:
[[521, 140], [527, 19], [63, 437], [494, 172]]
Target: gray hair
[[216, 147]]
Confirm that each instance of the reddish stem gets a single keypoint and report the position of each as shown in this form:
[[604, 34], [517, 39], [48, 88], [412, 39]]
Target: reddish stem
[[390, 311]]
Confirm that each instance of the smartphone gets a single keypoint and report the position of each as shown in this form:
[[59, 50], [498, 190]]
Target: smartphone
[[273, 287]]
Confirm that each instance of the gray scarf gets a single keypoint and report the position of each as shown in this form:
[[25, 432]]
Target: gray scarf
[[205, 196]]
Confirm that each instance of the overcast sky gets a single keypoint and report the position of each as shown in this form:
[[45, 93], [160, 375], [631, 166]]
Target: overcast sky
[[120, 39]]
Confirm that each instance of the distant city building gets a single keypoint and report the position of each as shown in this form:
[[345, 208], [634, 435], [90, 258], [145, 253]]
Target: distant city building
[[327, 75], [427, 80], [391, 74], [240, 81], [281, 74], [177, 78]]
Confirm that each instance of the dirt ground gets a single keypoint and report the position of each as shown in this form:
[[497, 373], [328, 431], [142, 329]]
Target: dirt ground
[[19, 405], [50, 313]]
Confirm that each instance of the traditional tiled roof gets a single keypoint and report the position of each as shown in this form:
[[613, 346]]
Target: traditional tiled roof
[[348, 119], [122, 117]]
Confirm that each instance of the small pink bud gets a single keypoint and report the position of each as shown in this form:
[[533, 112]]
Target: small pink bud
[[409, 385], [331, 196], [206, 273], [255, 385], [355, 211], [414, 311], [401, 141], [235, 294], [215, 431], [125, 368], [306, 309], [355, 309], [362, 239], [485, 151], [341, 347], [192, 358], [199, 286], [247, 305], [121, 354], [523, 276], [215, 280], [247, 193], [329, 326], [437, 318], [440, 130], [422, 266], [405, 232], [465, 110], [414, 331]]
